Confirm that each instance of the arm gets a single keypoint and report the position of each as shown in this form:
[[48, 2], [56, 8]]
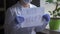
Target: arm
[[8, 20], [12, 22], [46, 19]]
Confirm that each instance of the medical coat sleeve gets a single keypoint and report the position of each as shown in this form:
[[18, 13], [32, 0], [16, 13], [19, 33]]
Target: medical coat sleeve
[[10, 25], [45, 19]]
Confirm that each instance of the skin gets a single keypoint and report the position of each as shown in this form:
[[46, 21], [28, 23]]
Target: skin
[[25, 5]]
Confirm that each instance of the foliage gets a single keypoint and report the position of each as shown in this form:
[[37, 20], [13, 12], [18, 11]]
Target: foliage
[[50, 1], [55, 12]]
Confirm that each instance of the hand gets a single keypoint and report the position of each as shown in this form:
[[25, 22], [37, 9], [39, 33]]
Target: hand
[[46, 17], [19, 19]]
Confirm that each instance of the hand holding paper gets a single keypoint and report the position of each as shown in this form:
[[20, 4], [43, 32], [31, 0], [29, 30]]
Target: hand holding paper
[[19, 19], [46, 17], [32, 17]]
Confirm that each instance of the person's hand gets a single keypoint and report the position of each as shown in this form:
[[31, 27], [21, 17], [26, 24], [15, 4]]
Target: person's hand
[[46, 17], [19, 19]]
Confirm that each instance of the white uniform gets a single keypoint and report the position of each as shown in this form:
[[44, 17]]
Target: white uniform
[[11, 27]]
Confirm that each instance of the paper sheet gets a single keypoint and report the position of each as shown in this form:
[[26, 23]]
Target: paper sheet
[[32, 16]]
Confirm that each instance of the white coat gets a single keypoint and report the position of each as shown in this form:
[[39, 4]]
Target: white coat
[[11, 27]]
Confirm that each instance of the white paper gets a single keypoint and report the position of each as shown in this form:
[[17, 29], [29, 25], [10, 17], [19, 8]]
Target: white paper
[[32, 16]]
